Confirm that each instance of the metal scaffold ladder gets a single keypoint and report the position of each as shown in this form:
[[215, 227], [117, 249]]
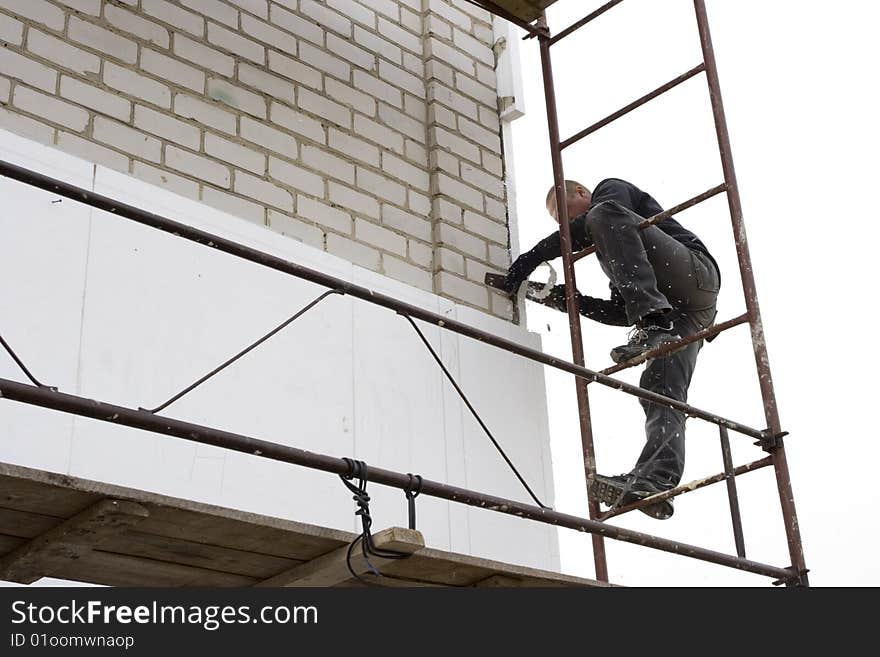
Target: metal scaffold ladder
[[530, 16]]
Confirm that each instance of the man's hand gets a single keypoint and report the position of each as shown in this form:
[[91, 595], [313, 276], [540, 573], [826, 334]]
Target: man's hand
[[556, 298], [517, 273]]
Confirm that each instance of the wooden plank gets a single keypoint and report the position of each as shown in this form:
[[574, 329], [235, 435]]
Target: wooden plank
[[109, 569], [56, 499], [193, 553], [527, 10], [70, 540], [464, 570], [174, 517], [9, 543], [187, 543], [25, 524], [332, 569], [508, 582], [284, 539]]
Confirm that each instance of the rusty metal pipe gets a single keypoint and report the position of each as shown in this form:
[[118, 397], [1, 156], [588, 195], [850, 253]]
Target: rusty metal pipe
[[687, 488], [586, 19], [762, 361], [123, 416], [571, 297], [662, 351], [611, 118], [205, 238], [732, 495], [660, 216]]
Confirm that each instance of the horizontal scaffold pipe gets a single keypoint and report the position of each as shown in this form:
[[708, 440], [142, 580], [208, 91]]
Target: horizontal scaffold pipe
[[279, 264], [47, 398]]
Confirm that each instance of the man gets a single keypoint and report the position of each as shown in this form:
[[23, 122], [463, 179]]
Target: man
[[665, 283]]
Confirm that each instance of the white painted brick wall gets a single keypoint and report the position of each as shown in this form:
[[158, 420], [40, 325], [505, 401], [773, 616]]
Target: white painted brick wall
[[174, 130], [256, 7], [127, 21], [356, 252], [380, 237], [296, 177], [406, 222], [38, 11], [269, 138], [205, 112], [406, 272], [173, 15], [98, 38], [264, 192], [133, 84], [323, 106], [368, 128], [234, 205], [172, 70], [323, 214], [354, 148], [236, 97], [229, 151], [307, 233], [63, 53], [27, 70], [11, 30], [235, 43], [420, 253], [357, 100], [127, 139], [353, 200], [272, 85], [295, 70], [334, 167], [27, 127], [50, 108], [262, 31], [459, 288], [92, 152], [103, 102], [205, 56], [219, 11], [166, 179], [92, 7], [197, 166]]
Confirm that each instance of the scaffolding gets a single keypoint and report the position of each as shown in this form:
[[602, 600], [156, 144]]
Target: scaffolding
[[529, 16]]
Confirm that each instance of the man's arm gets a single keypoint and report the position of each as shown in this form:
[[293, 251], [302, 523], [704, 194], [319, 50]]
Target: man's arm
[[605, 311], [549, 248], [545, 250]]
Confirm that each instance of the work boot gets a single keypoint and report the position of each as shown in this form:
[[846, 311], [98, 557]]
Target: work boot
[[621, 490], [652, 332]]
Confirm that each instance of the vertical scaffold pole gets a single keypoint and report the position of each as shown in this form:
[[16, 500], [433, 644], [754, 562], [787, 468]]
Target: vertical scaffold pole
[[771, 413], [574, 319]]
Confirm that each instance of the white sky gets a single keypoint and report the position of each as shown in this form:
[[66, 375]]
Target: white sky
[[799, 85]]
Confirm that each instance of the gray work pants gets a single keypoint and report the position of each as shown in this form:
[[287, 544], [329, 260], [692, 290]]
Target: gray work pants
[[656, 273]]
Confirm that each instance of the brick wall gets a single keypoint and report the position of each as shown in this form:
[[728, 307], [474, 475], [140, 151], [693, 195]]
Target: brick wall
[[367, 128]]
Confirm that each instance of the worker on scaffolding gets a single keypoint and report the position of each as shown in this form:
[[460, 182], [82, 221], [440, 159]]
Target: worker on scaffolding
[[664, 283]]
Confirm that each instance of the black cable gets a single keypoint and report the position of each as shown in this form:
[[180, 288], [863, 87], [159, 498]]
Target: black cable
[[21, 365], [474, 412], [358, 470], [242, 353], [412, 492]]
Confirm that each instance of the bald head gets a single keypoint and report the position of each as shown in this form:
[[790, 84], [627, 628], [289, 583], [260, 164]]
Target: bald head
[[578, 198]]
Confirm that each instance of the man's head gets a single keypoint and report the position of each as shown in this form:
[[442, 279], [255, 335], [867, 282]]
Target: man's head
[[578, 199]]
